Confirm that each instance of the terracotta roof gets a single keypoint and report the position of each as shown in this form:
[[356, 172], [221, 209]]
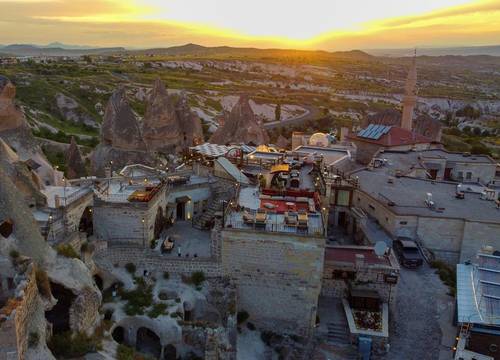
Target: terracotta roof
[[396, 136], [348, 255]]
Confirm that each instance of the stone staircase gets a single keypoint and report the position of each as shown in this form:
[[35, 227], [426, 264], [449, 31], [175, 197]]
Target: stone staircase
[[221, 190], [338, 333]]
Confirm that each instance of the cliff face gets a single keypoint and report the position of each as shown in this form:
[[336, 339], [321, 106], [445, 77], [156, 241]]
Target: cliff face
[[169, 124], [72, 274], [240, 126], [120, 127], [15, 131]]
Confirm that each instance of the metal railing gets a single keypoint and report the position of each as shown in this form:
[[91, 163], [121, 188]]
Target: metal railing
[[269, 226]]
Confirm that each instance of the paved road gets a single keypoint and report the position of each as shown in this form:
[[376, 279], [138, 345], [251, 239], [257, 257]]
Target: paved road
[[416, 319], [311, 114]]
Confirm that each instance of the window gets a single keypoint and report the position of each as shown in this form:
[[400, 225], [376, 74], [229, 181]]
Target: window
[[343, 197], [468, 175], [403, 222], [340, 274]]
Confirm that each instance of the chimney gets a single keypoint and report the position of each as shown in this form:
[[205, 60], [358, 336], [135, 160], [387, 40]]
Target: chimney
[[57, 201], [344, 131], [360, 260]]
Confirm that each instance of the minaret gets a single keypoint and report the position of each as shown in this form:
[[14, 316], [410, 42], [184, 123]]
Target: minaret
[[410, 98]]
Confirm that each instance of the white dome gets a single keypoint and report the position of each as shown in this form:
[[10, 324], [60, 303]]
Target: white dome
[[319, 139]]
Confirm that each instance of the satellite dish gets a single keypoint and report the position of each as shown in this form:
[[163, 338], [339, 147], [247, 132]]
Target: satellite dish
[[380, 248]]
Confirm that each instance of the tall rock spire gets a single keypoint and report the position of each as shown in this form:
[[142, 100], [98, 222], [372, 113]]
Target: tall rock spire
[[410, 97], [74, 161]]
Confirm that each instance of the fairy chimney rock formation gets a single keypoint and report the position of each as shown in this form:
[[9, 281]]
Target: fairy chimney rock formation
[[240, 126], [10, 116], [74, 161], [120, 127], [169, 124]]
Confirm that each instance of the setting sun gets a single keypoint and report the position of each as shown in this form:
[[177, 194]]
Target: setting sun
[[327, 25]]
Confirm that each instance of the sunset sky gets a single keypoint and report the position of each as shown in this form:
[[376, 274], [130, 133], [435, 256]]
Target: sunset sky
[[308, 24]]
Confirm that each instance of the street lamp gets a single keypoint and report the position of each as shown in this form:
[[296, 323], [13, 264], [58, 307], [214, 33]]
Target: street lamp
[[143, 232]]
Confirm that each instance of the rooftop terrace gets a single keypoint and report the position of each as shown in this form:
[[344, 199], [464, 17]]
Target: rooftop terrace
[[288, 211]]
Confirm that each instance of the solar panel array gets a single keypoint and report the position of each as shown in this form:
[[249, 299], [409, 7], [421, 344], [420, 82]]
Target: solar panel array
[[374, 131]]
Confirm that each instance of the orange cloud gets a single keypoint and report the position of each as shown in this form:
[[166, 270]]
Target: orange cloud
[[125, 23]]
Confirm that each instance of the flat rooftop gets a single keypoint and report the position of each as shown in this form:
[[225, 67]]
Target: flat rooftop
[[408, 196], [347, 254], [415, 159], [330, 155], [124, 191], [67, 194]]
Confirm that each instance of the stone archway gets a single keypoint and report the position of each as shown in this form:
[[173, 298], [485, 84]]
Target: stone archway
[[98, 281], [118, 334], [58, 316], [86, 221], [147, 342], [169, 352]]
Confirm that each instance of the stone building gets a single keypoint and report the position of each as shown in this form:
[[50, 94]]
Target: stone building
[[438, 164], [358, 268], [452, 226], [276, 263], [375, 138], [130, 211]]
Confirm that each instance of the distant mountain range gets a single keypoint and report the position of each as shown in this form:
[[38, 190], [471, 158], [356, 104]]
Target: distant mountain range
[[53, 50], [59, 49], [493, 50]]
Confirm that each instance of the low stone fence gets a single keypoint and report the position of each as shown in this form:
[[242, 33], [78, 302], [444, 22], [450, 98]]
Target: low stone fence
[[119, 255]]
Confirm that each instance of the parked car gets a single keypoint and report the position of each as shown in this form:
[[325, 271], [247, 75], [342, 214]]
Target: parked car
[[408, 253]]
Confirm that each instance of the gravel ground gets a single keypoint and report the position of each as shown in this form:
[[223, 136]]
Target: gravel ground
[[415, 332]]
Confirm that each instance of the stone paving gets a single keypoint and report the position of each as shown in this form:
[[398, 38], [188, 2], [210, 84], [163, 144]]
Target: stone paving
[[421, 307], [188, 241]]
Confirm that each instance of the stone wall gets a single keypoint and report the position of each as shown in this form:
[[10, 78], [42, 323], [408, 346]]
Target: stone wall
[[121, 222], [278, 277], [368, 277], [106, 259], [442, 236], [450, 239], [477, 235], [17, 314]]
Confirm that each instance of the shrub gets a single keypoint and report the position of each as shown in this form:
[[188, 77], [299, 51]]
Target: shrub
[[130, 267], [447, 274], [242, 316], [64, 345], [250, 326], [14, 254], [67, 251], [33, 339], [125, 353], [138, 299], [197, 278], [166, 275], [43, 282], [157, 310]]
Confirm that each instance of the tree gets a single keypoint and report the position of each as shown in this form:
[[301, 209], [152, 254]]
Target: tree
[[277, 112]]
